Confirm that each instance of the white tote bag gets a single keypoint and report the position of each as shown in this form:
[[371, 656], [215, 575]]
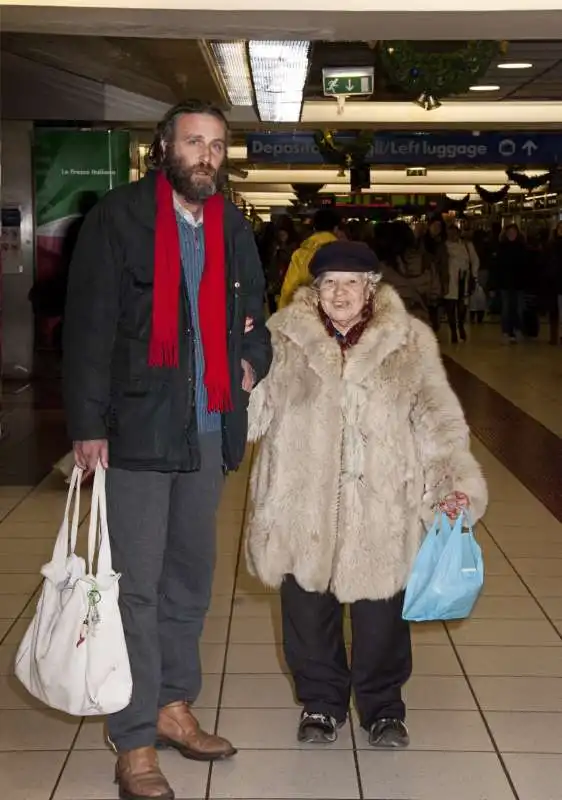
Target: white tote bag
[[73, 656]]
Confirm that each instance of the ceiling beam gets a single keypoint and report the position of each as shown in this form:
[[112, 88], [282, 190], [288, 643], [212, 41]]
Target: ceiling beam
[[151, 64], [300, 19]]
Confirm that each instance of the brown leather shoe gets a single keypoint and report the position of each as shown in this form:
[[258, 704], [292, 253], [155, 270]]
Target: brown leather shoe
[[178, 728], [139, 777]]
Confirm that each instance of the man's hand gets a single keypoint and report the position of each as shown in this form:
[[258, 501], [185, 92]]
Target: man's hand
[[248, 325], [87, 455], [249, 377]]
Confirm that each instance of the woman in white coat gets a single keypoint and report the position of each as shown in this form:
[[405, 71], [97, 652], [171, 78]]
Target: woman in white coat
[[362, 438], [463, 265]]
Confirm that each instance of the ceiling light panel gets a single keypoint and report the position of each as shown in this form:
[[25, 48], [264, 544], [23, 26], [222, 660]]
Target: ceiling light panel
[[232, 61], [279, 71], [516, 65]]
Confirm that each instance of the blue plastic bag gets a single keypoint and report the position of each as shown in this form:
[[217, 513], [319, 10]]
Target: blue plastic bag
[[447, 576]]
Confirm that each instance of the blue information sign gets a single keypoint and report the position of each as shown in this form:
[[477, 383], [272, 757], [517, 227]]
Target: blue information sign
[[418, 149]]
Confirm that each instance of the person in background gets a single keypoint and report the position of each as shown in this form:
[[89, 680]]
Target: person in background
[[402, 267], [478, 304], [158, 369], [277, 259], [326, 224], [513, 264], [462, 265], [553, 283], [362, 439], [436, 262]]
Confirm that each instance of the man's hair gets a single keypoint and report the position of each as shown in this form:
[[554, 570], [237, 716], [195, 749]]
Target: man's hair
[[166, 127], [325, 220]]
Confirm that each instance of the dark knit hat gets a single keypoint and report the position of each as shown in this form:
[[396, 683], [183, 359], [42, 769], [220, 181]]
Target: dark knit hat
[[343, 256]]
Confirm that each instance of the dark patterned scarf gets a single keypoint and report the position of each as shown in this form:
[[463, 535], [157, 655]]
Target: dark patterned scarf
[[353, 335]]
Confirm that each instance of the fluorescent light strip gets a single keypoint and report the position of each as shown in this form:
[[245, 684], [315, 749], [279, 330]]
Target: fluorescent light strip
[[233, 65], [516, 65], [284, 197], [471, 115], [279, 71], [378, 176]]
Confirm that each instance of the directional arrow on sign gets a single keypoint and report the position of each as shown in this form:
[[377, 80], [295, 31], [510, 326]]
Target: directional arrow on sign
[[349, 86], [529, 147]]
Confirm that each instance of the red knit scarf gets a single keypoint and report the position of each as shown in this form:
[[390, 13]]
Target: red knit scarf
[[164, 340]]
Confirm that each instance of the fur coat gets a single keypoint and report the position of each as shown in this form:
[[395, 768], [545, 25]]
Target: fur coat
[[354, 452]]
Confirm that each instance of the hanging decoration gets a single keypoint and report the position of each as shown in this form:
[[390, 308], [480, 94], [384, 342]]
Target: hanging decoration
[[345, 155], [555, 182], [431, 76], [306, 193], [492, 197], [448, 204], [528, 182]]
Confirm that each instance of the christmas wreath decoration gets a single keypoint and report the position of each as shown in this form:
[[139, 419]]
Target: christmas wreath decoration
[[346, 155], [433, 75]]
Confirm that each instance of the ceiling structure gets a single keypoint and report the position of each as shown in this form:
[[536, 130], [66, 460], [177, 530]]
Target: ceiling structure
[[170, 69], [163, 69], [315, 20], [543, 82]]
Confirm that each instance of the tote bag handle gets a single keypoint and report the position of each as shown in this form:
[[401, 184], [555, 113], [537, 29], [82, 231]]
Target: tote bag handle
[[61, 550], [98, 533]]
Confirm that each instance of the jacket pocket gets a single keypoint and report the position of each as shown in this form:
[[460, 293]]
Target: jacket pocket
[[139, 422]]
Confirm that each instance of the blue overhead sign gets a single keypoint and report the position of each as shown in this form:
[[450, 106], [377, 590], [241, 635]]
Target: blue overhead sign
[[422, 149]]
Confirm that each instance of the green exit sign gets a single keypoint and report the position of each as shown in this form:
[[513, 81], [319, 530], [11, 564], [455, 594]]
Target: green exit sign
[[338, 82]]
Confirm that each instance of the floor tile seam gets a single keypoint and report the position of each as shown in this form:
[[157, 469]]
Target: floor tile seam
[[485, 379], [66, 760], [232, 595], [448, 709], [523, 581], [485, 722], [20, 616], [4, 517], [498, 454]]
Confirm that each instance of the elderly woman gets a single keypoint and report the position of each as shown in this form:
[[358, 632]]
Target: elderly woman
[[362, 438]]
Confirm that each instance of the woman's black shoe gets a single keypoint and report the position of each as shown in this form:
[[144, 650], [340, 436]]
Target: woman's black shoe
[[317, 728], [389, 733]]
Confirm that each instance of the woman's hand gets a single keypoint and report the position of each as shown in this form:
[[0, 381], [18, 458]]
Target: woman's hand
[[248, 325], [454, 504]]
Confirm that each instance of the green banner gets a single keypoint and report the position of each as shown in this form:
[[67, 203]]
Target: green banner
[[70, 163], [73, 169]]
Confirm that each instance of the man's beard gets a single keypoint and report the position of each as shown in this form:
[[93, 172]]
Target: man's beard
[[195, 184]]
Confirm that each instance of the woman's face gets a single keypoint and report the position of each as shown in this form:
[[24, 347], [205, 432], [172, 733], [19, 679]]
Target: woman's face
[[435, 229], [282, 236], [511, 234], [559, 230], [343, 296]]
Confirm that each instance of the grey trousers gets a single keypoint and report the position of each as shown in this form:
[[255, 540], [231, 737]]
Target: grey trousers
[[163, 538]]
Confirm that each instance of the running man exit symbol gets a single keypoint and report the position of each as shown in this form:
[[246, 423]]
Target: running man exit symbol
[[348, 81]]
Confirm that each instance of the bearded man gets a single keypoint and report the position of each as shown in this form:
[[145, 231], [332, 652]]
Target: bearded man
[[164, 340]]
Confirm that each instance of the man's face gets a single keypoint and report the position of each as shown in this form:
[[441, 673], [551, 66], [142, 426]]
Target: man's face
[[194, 158]]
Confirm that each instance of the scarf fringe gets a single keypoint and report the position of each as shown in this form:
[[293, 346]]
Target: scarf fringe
[[163, 354], [218, 401]]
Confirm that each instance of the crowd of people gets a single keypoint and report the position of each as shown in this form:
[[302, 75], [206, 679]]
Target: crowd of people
[[439, 271]]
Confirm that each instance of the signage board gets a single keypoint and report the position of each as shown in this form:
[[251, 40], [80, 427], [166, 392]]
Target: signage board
[[417, 149]]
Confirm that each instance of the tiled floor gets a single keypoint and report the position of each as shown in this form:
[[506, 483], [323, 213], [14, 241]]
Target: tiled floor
[[485, 702]]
